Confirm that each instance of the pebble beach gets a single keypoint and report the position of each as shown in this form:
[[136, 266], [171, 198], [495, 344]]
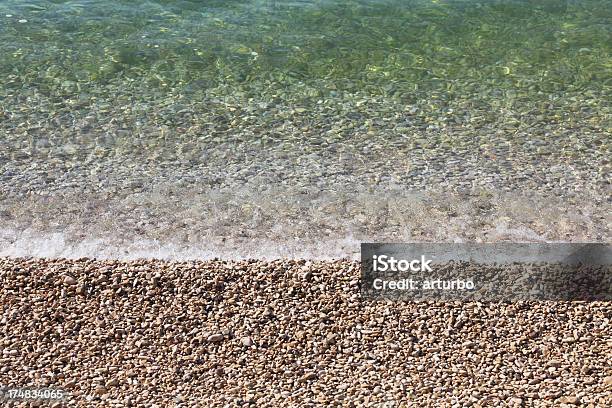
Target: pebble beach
[[291, 333]]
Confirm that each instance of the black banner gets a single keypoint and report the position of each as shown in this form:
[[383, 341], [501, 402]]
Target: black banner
[[487, 272]]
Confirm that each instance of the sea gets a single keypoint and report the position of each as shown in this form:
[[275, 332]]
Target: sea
[[299, 129]]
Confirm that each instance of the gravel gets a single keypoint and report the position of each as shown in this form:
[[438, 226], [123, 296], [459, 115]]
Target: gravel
[[254, 333]]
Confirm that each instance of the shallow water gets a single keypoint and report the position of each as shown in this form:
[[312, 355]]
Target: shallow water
[[246, 128], [380, 47]]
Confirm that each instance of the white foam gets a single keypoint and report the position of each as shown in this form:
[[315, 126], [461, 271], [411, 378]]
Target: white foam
[[286, 224], [30, 243]]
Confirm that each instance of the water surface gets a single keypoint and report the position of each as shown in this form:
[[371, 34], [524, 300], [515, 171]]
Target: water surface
[[242, 116]]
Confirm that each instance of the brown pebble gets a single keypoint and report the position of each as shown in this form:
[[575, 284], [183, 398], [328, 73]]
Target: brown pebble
[[215, 338], [69, 280], [308, 377], [573, 400], [101, 390]]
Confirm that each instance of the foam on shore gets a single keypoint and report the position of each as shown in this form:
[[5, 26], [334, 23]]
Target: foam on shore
[[283, 223]]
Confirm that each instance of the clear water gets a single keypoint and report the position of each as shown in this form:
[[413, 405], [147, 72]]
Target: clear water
[[242, 115], [380, 47], [310, 49]]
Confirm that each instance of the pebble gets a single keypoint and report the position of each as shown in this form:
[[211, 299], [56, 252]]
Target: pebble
[[308, 377], [570, 400], [101, 390], [69, 280], [215, 338], [516, 402]]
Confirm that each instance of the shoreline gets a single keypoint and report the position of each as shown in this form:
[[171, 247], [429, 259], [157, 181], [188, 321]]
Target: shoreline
[[296, 332], [182, 224]]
